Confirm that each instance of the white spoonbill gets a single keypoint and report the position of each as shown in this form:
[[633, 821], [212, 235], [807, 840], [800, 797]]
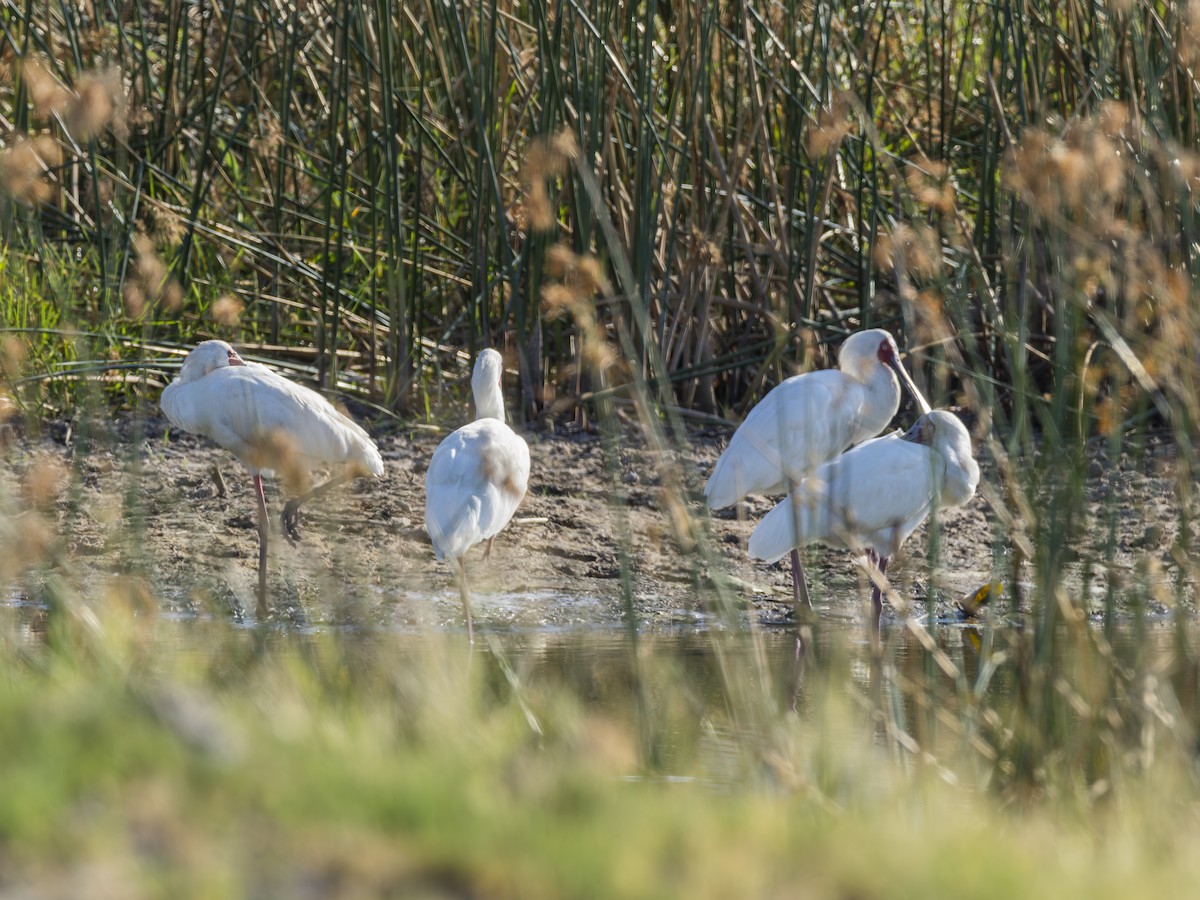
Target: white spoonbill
[[872, 497], [270, 424], [477, 477], [808, 420]]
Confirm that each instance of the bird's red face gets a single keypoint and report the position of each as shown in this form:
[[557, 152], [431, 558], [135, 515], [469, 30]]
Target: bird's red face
[[234, 359], [887, 353]]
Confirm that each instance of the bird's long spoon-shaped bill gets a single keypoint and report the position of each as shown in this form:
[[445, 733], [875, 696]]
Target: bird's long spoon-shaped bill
[[907, 382]]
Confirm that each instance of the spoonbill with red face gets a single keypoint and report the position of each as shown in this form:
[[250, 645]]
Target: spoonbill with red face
[[808, 420]]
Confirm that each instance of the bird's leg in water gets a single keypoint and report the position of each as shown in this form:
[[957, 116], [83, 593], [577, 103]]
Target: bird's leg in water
[[466, 599], [881, 564], [800, 588], [290, 517], [487, 547], [264, 608]]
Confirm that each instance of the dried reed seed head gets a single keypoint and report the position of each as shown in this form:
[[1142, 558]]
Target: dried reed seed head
[[227, 310], [1079, 171], [172, 295], [278, 450], [269, 138], [43, 482], [916, 248], [560, 260], [101, 41], [142, 245], [564, 145], [48, 94], [558, 299], [538, 207], [932, 324], [1189, 34], [1187, 164], [518, 216], [778, 16], [1113, 118], [537, 162], [25, 165], [134, 299], [707, 252], [163, 225], [680, 516], [930, 184], [831, 127], [28, 542], [153, 273], [582, 275], [591, 275], [12, 354], [98, 97], [599, 354]]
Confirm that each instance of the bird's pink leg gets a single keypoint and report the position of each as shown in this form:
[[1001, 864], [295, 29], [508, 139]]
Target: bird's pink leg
[[264, 608], [290, 517], [800, 588], [466, 599], [487, 547]]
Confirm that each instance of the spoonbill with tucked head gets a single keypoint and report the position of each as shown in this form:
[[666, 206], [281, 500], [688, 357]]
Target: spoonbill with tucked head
[[872, 497], [477, 477], [808, 420], [270, 424]]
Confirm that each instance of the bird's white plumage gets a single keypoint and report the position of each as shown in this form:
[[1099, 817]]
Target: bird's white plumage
[[809, 419], [874, 496], [478, 475], [264, 419]]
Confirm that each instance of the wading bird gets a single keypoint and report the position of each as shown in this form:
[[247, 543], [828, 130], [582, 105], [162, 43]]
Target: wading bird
[[808, 420], [477, 477], [872, 497], [271, 425]]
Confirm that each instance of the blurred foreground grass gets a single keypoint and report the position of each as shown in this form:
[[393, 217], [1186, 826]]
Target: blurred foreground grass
[[242, 762]]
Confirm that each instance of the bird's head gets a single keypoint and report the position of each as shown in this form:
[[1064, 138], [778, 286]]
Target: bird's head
[[866, 349], [207, 356], [939, 426], [486, 384]]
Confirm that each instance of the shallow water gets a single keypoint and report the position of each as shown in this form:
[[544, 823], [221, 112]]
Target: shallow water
[[691, 690]]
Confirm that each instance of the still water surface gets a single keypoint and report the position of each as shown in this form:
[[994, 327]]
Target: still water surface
[[691, 691]]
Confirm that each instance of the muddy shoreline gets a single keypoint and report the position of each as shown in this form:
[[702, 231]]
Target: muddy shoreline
[[147, 507]]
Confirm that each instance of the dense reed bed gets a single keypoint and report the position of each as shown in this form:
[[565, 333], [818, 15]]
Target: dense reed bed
[[656, 211]]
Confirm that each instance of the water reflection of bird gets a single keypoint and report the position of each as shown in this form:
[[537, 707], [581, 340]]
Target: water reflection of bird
[[477, 477], [871, 498], [808, 420], [271, 425]]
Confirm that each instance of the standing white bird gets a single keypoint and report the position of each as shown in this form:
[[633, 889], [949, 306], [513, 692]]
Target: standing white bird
[[270, 424], [477, 477], [871, 498], [808, 420]]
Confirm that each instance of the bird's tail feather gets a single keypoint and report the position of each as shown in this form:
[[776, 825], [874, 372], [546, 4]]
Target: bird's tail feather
[[794, 522]]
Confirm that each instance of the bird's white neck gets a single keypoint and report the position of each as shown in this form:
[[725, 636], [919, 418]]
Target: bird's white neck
[[883, 399], [489, 403]]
